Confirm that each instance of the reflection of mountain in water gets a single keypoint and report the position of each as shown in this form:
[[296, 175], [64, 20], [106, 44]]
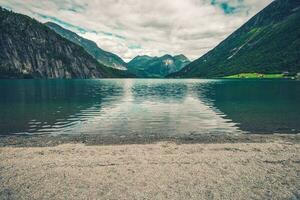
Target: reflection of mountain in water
[[257, 106], [148, 107], [52, 105], [159, 91], [155, 107]]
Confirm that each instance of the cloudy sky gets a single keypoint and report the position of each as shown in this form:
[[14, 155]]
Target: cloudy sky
[[152, 27]]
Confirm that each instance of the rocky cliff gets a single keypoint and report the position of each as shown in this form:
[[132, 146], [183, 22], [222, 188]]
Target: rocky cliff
[[104, 57], [29, 49]]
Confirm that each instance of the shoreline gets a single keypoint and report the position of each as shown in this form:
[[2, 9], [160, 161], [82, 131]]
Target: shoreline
[[241, 166], [97, 139], [160, 170]]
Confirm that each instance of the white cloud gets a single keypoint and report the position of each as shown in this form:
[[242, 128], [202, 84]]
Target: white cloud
[[134, 27]]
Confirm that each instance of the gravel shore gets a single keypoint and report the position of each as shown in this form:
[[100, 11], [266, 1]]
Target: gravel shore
[[262, 168], [98, 139]]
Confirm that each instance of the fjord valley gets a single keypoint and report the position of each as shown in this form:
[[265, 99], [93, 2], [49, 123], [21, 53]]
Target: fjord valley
[[266, 47], [105, 100], [269, 43], [29, 49], [141, 66]]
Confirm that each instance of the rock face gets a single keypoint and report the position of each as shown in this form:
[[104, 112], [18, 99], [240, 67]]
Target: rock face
[[104, 57], [267, 43], [29, 49], [157, 67]]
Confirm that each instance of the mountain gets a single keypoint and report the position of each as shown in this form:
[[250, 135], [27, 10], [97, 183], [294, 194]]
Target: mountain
[[104, 57], [268, 43], [157, 67], [29, 49]]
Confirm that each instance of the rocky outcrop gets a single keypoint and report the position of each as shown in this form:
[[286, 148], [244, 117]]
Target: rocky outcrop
[[29, 49]]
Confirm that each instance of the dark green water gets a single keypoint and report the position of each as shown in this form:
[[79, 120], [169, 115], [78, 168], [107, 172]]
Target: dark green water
[[149, 106]]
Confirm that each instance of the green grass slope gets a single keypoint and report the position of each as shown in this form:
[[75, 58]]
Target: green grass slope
[[269, 43]]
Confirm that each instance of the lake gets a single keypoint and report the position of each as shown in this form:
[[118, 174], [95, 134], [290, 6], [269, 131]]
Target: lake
[[161, 107]]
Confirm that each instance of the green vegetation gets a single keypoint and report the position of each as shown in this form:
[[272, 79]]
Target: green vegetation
[[156, 67], [255, 76], [270, 39]]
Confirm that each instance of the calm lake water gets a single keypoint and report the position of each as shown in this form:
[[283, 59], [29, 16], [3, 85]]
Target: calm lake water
[[149, 106]]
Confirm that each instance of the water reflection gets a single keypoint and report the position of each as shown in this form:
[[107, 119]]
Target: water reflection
[[159, 90], [44, 106], [269, 106], [148, 107]]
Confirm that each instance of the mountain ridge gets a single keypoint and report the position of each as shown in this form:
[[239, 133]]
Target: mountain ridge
[[268, 43], [29, 49], [104, 57], [156, 67]]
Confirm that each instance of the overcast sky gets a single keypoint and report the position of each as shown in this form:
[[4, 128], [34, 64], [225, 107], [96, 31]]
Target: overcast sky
[[152, 27]]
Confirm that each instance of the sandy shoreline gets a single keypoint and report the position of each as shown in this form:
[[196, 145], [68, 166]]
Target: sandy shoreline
[[98, 139], [159, 170]]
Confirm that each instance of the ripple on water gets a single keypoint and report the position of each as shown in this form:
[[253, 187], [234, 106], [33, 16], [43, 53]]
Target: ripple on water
[[148, 107]]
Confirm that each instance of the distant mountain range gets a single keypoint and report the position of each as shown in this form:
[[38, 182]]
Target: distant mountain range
[[157, 67], [142, 66], [268, 43], [103, 57], [29, 49]]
